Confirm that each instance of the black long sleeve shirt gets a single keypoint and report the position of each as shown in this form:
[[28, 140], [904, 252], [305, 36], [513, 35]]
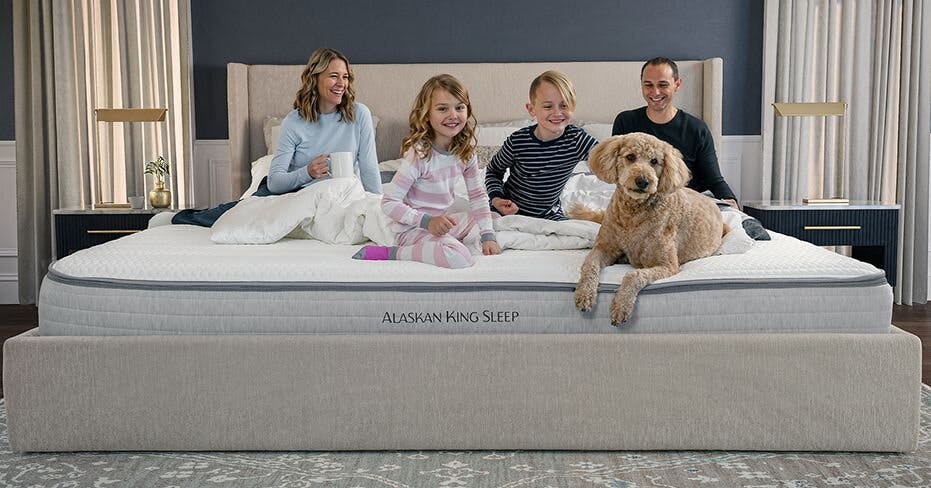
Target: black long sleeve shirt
[[691, 136]]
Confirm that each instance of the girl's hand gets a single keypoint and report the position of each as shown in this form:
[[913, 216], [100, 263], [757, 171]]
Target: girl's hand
[[490, 248], [440, 225], [504, 206], [318, 167]]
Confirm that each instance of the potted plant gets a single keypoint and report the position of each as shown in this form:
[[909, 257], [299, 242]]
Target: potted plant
[[159, 197]]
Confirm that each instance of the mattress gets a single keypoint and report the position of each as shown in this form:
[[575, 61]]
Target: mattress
[[174, 280]]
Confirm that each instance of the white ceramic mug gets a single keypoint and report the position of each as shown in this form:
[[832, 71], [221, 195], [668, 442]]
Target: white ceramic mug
[[342, 165]]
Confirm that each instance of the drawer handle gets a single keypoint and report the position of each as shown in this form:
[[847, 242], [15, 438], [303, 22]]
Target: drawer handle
[[832, 227], [112, 231]]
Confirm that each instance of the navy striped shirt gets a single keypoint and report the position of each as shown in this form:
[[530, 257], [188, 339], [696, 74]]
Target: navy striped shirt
[[538, 170]]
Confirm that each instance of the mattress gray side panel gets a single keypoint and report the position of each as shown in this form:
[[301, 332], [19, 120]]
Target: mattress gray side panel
[[71, 309]]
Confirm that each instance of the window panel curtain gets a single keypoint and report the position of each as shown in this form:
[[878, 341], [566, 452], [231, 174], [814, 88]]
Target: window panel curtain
[[70, 58], [873, 55]]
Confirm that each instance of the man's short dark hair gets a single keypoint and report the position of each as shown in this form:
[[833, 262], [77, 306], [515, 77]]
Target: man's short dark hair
[[658, 61]]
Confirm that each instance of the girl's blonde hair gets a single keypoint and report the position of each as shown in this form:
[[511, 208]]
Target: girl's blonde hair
[[421, 135], [307, 96], [560, 81]]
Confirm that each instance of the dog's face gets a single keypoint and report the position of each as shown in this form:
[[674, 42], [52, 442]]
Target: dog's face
[[639, 164]]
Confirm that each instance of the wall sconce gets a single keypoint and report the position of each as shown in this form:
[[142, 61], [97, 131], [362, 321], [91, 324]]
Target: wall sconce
[[110, 115], [816, 109]]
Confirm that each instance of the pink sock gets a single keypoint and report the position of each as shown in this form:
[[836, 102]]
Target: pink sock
[[374, 253]]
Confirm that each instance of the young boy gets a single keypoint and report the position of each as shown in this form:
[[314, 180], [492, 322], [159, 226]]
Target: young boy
[[540, 157]]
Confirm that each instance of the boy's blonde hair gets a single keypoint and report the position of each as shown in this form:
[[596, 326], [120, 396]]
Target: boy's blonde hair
[[307, 98], [560, 81], [421, 133]]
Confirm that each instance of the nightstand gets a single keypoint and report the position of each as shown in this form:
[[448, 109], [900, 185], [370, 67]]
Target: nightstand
[[74, 229], [870, 228]]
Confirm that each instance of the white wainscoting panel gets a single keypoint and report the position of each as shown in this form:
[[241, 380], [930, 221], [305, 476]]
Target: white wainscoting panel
[[211, 173], [9, 285], [740, 161]]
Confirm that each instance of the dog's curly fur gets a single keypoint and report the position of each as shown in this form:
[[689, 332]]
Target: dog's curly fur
[[653, 219]]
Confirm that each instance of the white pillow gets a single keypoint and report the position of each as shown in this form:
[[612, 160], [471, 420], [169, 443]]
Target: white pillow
[[581, 167], [259, 170], [599, 131], [495, 134], [272, 130], [390, 165]]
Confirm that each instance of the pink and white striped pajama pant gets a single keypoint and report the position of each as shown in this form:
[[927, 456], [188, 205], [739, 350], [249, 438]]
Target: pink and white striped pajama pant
[[446, 251]]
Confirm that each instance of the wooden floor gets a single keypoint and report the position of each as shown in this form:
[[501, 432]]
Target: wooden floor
[[15, 319]]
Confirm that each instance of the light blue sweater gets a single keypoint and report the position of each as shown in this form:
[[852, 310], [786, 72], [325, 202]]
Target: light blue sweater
[[301, 141]]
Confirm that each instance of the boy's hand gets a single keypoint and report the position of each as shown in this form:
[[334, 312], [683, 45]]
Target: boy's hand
[[504, 206], [731, 202], [490, 248], [440, 224]]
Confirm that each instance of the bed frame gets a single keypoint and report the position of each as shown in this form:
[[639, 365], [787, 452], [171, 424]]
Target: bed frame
[[857, 392]]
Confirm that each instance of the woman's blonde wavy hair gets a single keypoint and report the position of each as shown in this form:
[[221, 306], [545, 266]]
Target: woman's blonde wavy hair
[[421, 135], [307, 96]]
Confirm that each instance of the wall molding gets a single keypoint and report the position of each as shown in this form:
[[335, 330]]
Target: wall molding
[[211, 172], [219, 179], [9, 280], [8, 152]]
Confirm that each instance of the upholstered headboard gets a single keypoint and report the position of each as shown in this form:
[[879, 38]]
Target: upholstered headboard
[[498, 92]]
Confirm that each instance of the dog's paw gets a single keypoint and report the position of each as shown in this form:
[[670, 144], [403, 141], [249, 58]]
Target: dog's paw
[[621, 310], [584, 298]]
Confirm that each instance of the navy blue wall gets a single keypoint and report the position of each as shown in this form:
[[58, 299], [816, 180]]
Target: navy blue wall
[[376, 31], [6, 70]]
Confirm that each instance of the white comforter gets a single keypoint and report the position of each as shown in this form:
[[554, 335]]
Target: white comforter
[[339, 211]]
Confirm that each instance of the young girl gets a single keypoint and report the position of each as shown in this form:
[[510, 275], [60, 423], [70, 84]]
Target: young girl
[[437, 151]]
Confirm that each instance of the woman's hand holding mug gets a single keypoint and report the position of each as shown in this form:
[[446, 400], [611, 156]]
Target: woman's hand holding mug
[[319, 167]]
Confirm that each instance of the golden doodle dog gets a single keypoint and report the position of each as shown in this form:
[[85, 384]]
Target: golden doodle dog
[[653, 219]]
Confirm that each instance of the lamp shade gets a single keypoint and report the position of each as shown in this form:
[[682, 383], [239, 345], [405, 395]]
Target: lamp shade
[[830, 172], [809, 108], [105, 190], [130, 114]]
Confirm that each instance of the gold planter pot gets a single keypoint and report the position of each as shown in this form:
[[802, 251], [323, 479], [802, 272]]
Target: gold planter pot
[[159, 197]]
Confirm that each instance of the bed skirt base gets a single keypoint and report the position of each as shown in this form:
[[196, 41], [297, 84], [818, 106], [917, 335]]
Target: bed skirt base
[[772, 392]]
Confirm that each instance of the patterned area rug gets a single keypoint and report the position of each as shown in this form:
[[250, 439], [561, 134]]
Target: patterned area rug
[[528, 469]]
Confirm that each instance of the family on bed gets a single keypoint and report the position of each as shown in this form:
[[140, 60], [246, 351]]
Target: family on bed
[[440, 149]]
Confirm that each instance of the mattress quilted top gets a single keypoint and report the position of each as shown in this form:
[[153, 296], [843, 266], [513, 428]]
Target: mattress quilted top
[[182, 253]]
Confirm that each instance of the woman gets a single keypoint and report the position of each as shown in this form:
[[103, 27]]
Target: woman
[[326, 118]]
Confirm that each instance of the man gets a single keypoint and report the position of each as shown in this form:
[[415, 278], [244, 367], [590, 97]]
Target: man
[[659, 81]]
